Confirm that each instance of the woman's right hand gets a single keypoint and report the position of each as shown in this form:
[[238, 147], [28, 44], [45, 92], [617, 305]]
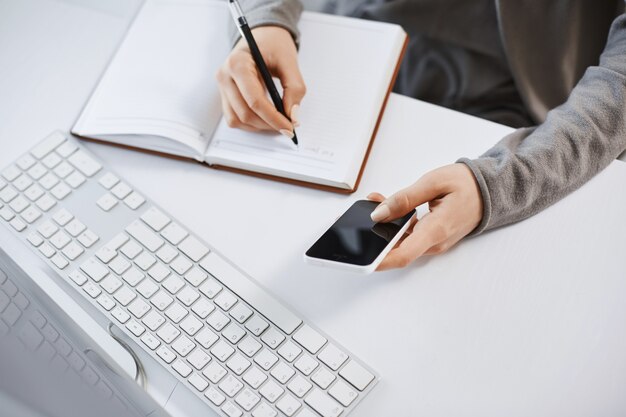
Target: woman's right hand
[[245, 103]]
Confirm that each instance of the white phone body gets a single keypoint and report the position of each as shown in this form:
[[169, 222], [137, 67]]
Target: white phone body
[[363, 269]]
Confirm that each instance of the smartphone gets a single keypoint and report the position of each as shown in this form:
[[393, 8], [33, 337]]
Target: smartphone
[[354, 242]]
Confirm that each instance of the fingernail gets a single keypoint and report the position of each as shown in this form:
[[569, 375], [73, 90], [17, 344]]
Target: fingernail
[[287, 133], [295, 115], [380, 213]]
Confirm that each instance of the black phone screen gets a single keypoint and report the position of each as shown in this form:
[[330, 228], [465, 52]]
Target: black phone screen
[[354, 238]]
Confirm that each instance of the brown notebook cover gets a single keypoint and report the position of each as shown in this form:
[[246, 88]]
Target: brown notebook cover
[[278, 178]]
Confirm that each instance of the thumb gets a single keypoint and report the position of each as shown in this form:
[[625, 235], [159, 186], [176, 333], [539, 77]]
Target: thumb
[[405, 200], [294, 88]]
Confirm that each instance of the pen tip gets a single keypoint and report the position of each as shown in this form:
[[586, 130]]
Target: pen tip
[[295, 138]]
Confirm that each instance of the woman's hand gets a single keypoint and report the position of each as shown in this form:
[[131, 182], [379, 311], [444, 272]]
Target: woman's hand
[[456, 208], [244, 99]]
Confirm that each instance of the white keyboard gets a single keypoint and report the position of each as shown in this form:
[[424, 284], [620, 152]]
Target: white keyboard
[[234, 344]]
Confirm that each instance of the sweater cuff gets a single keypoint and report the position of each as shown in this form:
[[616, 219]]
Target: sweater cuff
[[484, 192], [286, 18]]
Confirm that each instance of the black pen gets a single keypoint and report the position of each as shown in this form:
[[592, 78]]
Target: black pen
[[242, 24]]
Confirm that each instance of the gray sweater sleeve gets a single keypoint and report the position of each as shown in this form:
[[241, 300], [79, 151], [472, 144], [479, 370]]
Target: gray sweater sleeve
[[283, 13], [533, 168]]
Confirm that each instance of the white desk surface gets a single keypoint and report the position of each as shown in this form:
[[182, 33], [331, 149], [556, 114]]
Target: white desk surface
[[529, 320]]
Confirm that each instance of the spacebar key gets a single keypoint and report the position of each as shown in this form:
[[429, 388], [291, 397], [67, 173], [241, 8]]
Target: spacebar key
[[256, 296]]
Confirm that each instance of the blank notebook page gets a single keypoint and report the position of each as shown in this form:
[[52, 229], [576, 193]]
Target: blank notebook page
[[162, 80], [340, 109]]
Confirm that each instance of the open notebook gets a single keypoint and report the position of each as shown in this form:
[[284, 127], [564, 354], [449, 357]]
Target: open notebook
[[159, 94]]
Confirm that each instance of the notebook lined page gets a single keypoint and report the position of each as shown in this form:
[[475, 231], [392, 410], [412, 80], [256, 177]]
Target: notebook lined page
[[162, 80], [337, 115]]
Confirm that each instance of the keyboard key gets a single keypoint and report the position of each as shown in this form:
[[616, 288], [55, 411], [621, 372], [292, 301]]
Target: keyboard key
[[120, 315], [133, 276], [306, 364], [240, 312], [11, 173], [231, 410], [218, 320], [323, 404], [343, 393], [247, 399], [214, 372], [188, 296], [264, 410], [7, 194], [124, 295], [323, 377], [35, 239], [31, 214], [271, 391], [145, 261], [254, 377], [60, 239], [250, 292], [134, 200], [289, 351], [150, 341], [108, 180], [131, 249], [147, 288], [63, 170], [119, 265], [6, 213], [155, 218], [173, 233], [272, 338], [37, 171], [106, 202], [191, 325], [233, 333], [210, 288], [195, 276], [47, 250], [198, 359], [144, 235], [161, 300], [182, 368], [33, 192], [183, 346], [282, 372], [202, 308], [198, 382], [92, 289], [181, 265], [206, 338], [310, 339], [48, 181], [214, 396], [121, 190], [22, 182], [18, 224], [45, 202], [94, 269], [75, 228], [176, 312], [106, 302], [332, 356], [18, 204], [153, 320], [288, 405], [62, 217], [75, 179], [238, 364], [72, 251], [266, 359], [167, 253], [168, 333], [225, 300], [111, 284], [88, 238], [158, 272], [249, 346], [47, 145], [59, 261], [60, 191], [138, 308], [222, 350], [51, 160], [356, 375], [77, 277], [84, 163], [230, 386], [47, 229], [66, 149], [173, 284], [167, 355], [299, 386], [25, 162], [193, 248]]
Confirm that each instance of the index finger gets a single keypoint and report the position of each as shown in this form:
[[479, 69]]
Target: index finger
[[253, 92]]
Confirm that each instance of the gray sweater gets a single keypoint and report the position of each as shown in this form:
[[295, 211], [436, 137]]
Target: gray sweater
[[571, 78]]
